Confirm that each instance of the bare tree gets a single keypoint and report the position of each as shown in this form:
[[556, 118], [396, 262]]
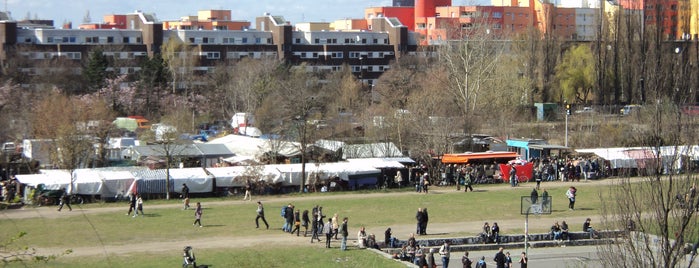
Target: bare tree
[[470, 62], [658, 211]]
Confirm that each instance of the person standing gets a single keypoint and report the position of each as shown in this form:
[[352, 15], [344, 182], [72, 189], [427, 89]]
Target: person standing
[[420, 218], [185, 196], [426, 183], [445, 251], [500, 259], [387, 237], [466, 261], [288, 216], [430, 258], [481, 263], [260, 215], [197, 215], [65, 200], [544, 200], [513, 175], [328, 230], [523, 260], [344, 233], [139, 205], [336, 225], [571, 193], [534, 196], [508, 260]]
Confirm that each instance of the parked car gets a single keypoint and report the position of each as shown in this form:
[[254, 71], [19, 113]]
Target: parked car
[[630, 109], [585, 110]]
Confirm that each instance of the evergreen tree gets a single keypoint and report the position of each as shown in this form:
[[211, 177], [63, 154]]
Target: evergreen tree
[[96, 70]]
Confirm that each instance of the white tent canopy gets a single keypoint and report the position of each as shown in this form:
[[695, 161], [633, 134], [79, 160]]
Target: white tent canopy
[[197, 180], [634, 157], [256, 147]]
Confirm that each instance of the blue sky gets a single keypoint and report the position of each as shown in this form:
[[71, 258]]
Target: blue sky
[[292, 10]]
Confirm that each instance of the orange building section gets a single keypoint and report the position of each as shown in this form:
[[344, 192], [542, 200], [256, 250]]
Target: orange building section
[[110, 22], [208, 20], [350, 24], [406, 15]]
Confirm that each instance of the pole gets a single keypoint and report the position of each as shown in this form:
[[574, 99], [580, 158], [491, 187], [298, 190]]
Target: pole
[[526, 233], [566, 130]]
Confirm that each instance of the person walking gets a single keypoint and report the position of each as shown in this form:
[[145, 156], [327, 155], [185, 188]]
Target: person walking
[[468, 182], [197, 215], [445, 252], [139, 205], [344, 233], [305, 221], [571, 193], [513, 175], [132, 204], [65, 200], [260, 215], [185, 196], [297, 222], [248, 191]]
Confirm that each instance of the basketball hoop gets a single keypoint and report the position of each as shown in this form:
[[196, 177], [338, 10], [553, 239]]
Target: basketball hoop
[[536, 206]]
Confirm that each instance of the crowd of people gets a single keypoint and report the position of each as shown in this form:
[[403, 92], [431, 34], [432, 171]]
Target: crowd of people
[[315, 225]]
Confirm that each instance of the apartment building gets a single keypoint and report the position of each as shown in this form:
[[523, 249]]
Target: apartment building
[[137, 35]]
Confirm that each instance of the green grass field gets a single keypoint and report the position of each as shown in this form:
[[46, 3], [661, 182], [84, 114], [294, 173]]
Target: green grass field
[[232, 218]]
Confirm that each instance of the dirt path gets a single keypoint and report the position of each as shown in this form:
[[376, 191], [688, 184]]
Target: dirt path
[[279, 238]]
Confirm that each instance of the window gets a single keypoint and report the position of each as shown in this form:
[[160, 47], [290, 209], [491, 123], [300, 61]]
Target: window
[[258, 40], [138, 40], [49, 39], [421, 26], [245, 40], [376, 41], [125, 40], [316, 41], [337, 55], [110, 39], [92, 39], [213, 55], [497, 15]]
